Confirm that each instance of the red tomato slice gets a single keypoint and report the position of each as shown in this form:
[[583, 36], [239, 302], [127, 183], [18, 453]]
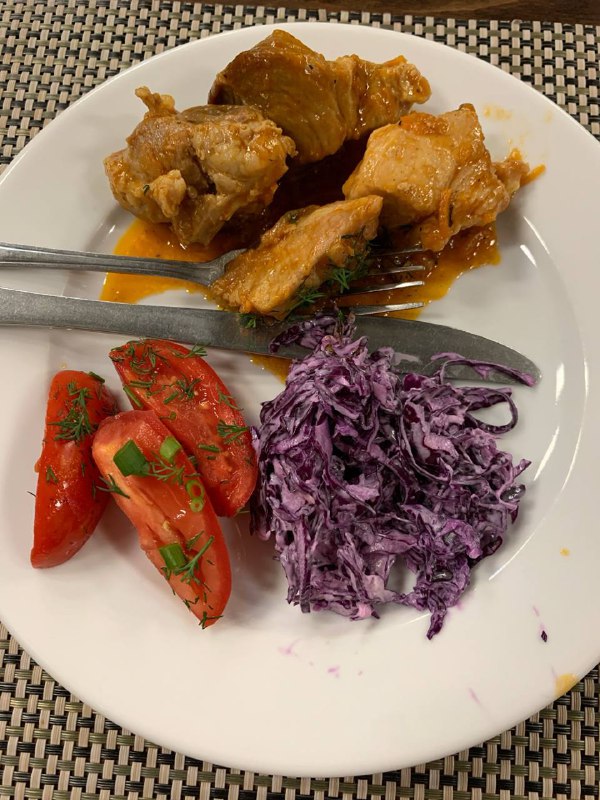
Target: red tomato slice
[[68, 505], [167, 503], [196, 406]]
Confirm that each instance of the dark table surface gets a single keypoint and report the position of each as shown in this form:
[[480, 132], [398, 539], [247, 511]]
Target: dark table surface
[[574, 11]]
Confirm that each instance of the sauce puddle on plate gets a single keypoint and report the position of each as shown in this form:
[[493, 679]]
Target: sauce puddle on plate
[[147, 240]]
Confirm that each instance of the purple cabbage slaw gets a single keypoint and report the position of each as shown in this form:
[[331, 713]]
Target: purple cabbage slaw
[[362, 468]]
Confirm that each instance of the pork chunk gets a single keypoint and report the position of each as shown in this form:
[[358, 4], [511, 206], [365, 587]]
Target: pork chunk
[[296, 255], [197, 168], [318, 103], [435, 174]]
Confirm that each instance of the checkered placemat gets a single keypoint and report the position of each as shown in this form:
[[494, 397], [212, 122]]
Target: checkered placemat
[[52, 745]]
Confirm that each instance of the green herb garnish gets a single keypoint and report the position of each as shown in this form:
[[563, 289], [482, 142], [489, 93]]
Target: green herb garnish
[[76, 423], [197, 351], [184, 390], [187, 570], [228, 400], [135, 400], [110, 485], [196, 493], [248, 320], [162, 470], [306, 297], [169, 448], [191, 542], [173, 556], [130, 460], [205, 619], [230, 433]]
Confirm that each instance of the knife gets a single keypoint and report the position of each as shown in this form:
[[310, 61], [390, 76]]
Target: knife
[[416, 342]]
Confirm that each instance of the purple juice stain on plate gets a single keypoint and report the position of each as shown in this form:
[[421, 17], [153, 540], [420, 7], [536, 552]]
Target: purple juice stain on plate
[[474, 697]]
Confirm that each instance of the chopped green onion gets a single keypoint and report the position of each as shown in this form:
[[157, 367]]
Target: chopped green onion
[[169, 448], [196, 494], [173, 556], [130, 460], [96, 377], [212, 448], [135, 401]]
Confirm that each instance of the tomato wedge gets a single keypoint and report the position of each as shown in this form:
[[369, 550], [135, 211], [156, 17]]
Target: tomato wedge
[[196, 406], [160, 491], [68, 505]]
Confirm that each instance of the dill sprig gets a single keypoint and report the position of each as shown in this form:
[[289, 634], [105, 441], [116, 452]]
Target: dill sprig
[[164, 471], [146, 361], [182, 390], [248, 320], [306, 297], [205, 619], [187, 572], [229, 433], [110, 485], [76, 424], [197, 351], [228, 400]]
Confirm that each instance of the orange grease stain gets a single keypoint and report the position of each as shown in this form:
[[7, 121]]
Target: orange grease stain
[[565, 682], [565, 551], [497, 113]]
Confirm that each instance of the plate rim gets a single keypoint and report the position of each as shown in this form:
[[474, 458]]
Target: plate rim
[[267, 29]]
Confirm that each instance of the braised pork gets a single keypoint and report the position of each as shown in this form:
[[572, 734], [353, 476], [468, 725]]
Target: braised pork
[[294, 257], [198, 168], [319, 103], [435, 175]]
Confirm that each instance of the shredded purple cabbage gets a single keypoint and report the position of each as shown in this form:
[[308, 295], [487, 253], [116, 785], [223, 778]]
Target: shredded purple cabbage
[[362, 467]]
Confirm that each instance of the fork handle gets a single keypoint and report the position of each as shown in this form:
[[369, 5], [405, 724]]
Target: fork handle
[[19, 255]]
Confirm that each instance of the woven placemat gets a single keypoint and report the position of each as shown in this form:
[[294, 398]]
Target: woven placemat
[[54, 746]]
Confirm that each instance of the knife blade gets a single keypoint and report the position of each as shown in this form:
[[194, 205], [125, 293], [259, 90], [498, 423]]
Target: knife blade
[[416, 342]]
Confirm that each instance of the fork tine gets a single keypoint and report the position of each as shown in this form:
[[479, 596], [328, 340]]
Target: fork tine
[[394, 252], [395, 269], [382, 287], [362, 311]]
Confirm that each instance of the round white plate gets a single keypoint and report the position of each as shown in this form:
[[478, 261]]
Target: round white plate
[[268, 688]]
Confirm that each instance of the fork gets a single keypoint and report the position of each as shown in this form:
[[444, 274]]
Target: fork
[[203, 273]]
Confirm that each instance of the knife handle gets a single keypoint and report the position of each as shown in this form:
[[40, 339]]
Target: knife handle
[[188, 325]]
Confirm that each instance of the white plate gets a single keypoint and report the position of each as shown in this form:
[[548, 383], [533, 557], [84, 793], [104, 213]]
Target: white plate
[[268, 688]]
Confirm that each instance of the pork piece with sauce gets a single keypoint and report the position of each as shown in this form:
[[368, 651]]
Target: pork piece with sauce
[[435, 174], [195, 169], [319, 103], [297, 255]]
